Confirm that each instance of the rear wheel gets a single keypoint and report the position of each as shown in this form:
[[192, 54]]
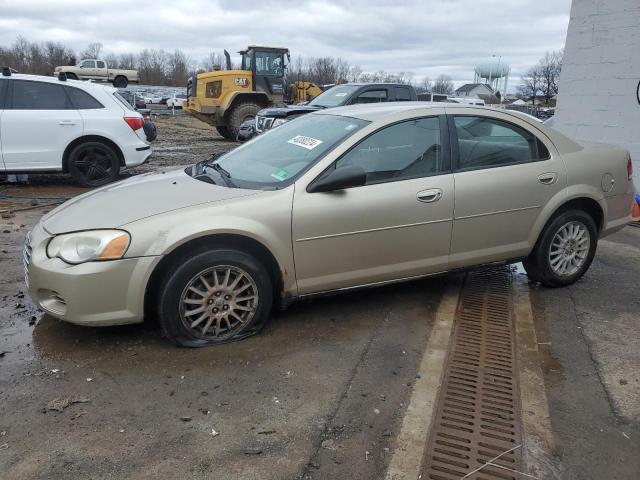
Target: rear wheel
[[72, 76], [214, 297], [240, 114], [93, 164], [564, 250], [120, 82], [224, 131]]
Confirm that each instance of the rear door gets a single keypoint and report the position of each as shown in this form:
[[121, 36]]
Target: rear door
[[38, 123], [505, 172]]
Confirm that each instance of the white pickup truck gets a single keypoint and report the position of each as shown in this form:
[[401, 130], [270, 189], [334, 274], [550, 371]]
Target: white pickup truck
[[93, 69]]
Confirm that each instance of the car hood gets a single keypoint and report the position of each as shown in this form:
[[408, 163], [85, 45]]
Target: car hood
[[135, 198], [283, 112]]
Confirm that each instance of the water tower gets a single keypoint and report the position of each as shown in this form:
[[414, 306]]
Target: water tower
[[494, 72]]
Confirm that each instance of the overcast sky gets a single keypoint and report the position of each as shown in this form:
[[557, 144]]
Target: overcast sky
[[426, 37]]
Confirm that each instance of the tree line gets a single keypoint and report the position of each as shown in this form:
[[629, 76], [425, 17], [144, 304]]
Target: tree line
[[159, 67]]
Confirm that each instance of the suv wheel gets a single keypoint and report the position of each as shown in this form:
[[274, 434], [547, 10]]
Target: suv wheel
[[214, 297], [564, 250], [93, 164]]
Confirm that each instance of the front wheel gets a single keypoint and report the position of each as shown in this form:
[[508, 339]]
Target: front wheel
[[240, 114], [564, 250], [215, 297], [224, 132]]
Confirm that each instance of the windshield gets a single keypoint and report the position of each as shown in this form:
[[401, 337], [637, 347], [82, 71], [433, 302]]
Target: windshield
[[276, 158], [334, 97]]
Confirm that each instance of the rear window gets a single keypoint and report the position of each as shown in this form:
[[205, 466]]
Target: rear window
[[123, 101], [29, 95], [403, 94], [82, 100]]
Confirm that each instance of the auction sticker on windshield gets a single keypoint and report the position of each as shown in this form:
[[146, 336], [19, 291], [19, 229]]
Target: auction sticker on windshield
[[305, 142], [280, 174]]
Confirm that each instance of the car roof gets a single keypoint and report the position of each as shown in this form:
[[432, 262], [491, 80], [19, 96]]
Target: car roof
[[84, 84]]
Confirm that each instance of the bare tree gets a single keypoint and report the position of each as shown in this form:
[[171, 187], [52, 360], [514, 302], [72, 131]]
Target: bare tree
[[178, 68], [531, 84], [443, 85], [212, 61], [549, 69], [93, 50]]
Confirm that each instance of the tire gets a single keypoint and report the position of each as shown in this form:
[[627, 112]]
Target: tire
[[176, 300], [120, 82], [150, 130], [224, 131], [240, 114], [93, 164], [555, 267], [72, 76]]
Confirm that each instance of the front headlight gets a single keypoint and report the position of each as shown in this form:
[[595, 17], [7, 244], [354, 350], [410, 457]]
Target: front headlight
[[83, 247], [279, 121]]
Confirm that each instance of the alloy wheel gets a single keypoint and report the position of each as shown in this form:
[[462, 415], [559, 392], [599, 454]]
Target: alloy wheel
[[569, 248], [218, 302], [94, 164]]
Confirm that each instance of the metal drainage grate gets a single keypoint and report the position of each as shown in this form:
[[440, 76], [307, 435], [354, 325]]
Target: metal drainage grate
[[478, 413]]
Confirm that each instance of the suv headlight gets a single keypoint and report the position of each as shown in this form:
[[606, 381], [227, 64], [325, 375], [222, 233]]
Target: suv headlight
[[83, 247], [279, 121]]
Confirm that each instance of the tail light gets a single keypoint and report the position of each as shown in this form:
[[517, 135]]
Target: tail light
[[134, 122], [629, 168]]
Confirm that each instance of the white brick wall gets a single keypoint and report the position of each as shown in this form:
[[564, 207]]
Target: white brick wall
[[600, 76]]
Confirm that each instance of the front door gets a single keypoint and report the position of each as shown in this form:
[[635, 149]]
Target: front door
[[396, 226], [37, 125], [504, 176]]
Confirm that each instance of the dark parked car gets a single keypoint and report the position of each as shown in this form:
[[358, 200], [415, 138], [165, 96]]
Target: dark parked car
[[337, 96]]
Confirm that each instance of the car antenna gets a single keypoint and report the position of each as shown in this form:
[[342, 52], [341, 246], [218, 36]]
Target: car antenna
[[62, 77], [6, 72]]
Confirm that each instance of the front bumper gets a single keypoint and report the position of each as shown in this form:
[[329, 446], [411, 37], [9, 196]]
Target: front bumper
[[92, 293]]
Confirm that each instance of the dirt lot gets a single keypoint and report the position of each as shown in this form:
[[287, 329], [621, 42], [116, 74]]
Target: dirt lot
[[321, 393]]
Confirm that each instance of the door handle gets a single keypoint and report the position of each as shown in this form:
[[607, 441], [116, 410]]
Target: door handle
[[429, 196], [548, 178], [66, 122]]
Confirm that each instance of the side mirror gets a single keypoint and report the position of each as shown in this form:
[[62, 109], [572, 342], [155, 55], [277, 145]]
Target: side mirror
[[340, 178]]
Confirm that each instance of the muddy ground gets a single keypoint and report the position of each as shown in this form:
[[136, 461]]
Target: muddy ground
[[321, 393]]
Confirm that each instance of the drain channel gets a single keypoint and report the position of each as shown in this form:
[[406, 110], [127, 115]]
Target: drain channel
[[478, 414]]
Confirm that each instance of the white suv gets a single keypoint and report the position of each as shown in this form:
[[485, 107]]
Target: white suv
[[50, 124]]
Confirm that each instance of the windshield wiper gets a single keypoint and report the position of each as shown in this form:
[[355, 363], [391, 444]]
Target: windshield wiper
[[224, 175]]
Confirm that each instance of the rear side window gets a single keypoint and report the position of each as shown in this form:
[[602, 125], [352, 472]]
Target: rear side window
[[28, 95], [101, 64], [405, 150], [372, 96], [123, 101], [403, 94], [82, 100], [487, 142]]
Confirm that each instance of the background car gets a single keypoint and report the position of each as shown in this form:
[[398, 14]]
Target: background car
[[176, 101], [134, 100], [85, 129], [152, 98], [360, 196]]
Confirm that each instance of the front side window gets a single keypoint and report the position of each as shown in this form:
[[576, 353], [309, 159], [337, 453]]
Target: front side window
[[487, 142], [269, 63], [88, 64], [372, 96], [82, 100], [276, 158], [28, 95], [405, 150]]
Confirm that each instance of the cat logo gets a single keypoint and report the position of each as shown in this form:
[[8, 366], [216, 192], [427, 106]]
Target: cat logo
[[241, 82]]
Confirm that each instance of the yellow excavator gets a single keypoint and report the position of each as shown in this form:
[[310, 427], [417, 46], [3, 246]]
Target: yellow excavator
[[227, 98]]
